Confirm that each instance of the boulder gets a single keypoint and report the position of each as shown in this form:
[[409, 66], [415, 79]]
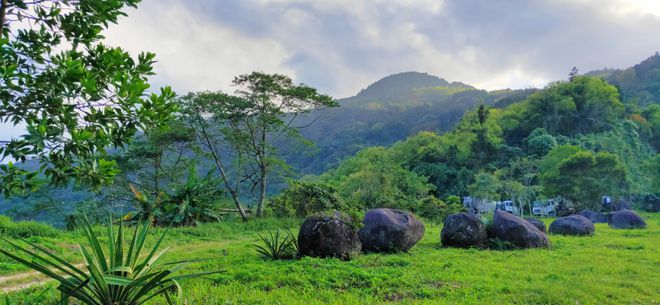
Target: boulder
[[390, 230], [594, 216], [572, 225], [621, 204], [463, 230], [627, 219], [537, 223], [329, 236], [517, 231]]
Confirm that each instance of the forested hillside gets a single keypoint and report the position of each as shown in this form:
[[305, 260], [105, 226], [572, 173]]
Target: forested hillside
[[639, 84], [504, 144], [387, 111], [574, 139]]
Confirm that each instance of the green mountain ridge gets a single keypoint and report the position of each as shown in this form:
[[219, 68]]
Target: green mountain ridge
[[390, 110]]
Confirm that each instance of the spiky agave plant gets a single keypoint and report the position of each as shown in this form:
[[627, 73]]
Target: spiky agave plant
[[123, 274], [278, 245]]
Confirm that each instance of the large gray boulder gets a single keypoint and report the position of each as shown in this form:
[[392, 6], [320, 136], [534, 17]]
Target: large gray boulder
[[517, 231], [572, 225], [329, 236], [621, 204], [463, 230], [594, 216], [627, 219], [537, 223], [390, 230]]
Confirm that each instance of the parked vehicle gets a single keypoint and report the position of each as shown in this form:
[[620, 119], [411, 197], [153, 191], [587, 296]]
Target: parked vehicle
[[545, 208], [507, 206], [476, 206], [553, 207]]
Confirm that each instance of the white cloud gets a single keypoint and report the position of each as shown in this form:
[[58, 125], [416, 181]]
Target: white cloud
[[194, 53]]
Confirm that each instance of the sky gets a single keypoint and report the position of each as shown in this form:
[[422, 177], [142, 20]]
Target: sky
[[342, 46]]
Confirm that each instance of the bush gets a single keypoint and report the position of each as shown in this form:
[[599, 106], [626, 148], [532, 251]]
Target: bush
[[24, 229], [125, 272], [435, 209], [278, 245], [302, 199]]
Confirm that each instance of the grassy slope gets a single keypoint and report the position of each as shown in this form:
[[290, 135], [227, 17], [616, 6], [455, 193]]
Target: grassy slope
[[612, 267]]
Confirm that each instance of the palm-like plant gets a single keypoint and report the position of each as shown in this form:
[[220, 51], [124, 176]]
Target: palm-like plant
[[123, 274], [278, 245]]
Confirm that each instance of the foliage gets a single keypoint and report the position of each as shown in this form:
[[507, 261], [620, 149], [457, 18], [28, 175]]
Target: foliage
[[651, 116], [75, 95], [156, 160], [539, 142], [302, 199], [187, 204], [436, 209], [582, 176], [583, 105], [640, 84], [372, 179], [262, 111], [277, 245], [498, 244], [121, 274], [486, 186], [24, 229], [653, 166]]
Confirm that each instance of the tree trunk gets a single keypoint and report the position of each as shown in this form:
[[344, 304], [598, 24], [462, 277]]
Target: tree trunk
[[262, 193], [223, 173], [3, 14], [263, 168]]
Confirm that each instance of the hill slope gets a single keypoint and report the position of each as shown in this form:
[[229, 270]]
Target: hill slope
[[388, 111]]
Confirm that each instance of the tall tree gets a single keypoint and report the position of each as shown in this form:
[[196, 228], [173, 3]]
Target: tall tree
[[582, 176], [200, 112], [75, 95], [262, 111]]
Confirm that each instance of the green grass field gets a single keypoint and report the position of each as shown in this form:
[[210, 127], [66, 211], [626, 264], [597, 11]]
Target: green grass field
[[612, 267]]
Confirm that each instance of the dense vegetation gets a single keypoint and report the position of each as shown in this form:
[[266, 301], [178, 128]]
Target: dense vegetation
[[573, 139], [234, 166]]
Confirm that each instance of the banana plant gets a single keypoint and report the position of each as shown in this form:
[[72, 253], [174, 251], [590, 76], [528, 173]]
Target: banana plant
[[124, 273]]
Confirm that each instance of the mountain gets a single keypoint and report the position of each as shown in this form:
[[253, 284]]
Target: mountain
[[389, 110], [406, 87], [639, 84]]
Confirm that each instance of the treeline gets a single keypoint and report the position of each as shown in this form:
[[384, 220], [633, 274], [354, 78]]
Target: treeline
[[574, 139]]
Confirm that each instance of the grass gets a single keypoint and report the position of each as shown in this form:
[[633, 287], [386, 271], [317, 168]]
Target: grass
[[611, 267]]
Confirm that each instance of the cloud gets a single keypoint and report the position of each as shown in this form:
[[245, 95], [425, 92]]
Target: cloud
[[341, 46]]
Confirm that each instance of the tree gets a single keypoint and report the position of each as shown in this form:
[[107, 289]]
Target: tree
[[539, 142], [653, 166], [372, 179], [156, 158], [75, 95], [199, 112], [582, 176], [263, 111], [518, 182], [486, 186], [583, 105], [574, 73]]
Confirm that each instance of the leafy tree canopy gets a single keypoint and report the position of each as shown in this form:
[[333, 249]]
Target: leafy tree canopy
[[75, 95]]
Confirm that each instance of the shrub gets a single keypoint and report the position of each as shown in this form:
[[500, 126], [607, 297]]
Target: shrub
[[303, 199], [185, 205], [123, 273], [278, 245], [25, 229], [435, 209]]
